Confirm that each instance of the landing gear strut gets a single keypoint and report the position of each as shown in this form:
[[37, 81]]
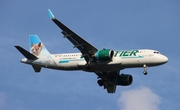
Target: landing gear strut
[[145, 69], [88, 66]]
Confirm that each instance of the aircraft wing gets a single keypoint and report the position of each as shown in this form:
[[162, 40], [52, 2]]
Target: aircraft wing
[[86, 48], [109, 79], [111, 87]]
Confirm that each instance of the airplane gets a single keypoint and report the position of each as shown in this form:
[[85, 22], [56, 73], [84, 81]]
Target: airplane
[[105, 63]]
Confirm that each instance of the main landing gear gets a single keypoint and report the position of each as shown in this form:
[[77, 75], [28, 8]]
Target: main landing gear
[[103, 79], [145, 69], [100, 82]]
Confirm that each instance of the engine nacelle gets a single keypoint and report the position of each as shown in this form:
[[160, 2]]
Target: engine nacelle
[[105, 54], [124, 80]]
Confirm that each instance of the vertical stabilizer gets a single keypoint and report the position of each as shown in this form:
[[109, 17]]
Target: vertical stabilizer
[[36, 46]]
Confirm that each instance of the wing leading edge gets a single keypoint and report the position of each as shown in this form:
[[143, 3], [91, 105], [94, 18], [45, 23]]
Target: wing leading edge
[[84, 47]]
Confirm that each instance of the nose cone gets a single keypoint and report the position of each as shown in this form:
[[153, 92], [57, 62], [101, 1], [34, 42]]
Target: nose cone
[[164, 59], [160, 59]]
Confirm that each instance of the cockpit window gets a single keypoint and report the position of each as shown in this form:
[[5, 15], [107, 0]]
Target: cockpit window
[[156, 52]]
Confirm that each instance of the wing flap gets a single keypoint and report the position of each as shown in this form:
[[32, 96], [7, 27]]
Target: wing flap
[[74, 38]]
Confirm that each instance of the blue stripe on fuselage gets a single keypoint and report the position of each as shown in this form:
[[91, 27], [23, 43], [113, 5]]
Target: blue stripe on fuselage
[[131, 56], [69, 60], [63, 61]]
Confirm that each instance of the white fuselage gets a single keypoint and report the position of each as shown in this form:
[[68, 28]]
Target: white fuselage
[[121, 59]]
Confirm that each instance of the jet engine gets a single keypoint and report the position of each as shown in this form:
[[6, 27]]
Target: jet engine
[[124, 80], [105, 54]]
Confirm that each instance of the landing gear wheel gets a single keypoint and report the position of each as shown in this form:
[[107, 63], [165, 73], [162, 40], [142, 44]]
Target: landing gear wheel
[[100, 82], [145, 72]]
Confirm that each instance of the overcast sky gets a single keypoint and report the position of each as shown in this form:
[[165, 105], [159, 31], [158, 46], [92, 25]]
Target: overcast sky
[[119, 24]]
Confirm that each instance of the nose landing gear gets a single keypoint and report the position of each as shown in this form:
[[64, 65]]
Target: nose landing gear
[[145, 69]]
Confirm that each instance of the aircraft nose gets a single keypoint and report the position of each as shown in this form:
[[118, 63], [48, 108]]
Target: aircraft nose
[[161, 59], [164, 59]]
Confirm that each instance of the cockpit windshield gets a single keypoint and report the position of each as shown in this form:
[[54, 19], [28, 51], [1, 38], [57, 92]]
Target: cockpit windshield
[[156, 52]]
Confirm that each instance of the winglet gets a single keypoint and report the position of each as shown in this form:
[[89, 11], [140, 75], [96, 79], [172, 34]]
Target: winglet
[[50, 14]]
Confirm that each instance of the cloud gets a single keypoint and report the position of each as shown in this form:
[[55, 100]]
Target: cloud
[[141, 98]]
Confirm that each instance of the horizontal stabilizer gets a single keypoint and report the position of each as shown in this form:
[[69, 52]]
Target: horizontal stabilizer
[[36, 68], [26, 54]]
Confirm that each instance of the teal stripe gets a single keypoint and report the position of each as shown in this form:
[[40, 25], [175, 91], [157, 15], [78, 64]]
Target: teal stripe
[[63, 61], [67, 61], [131, 56]]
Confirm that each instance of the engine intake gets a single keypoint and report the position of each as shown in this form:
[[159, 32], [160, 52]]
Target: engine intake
[[124, 80], [105, 54]]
